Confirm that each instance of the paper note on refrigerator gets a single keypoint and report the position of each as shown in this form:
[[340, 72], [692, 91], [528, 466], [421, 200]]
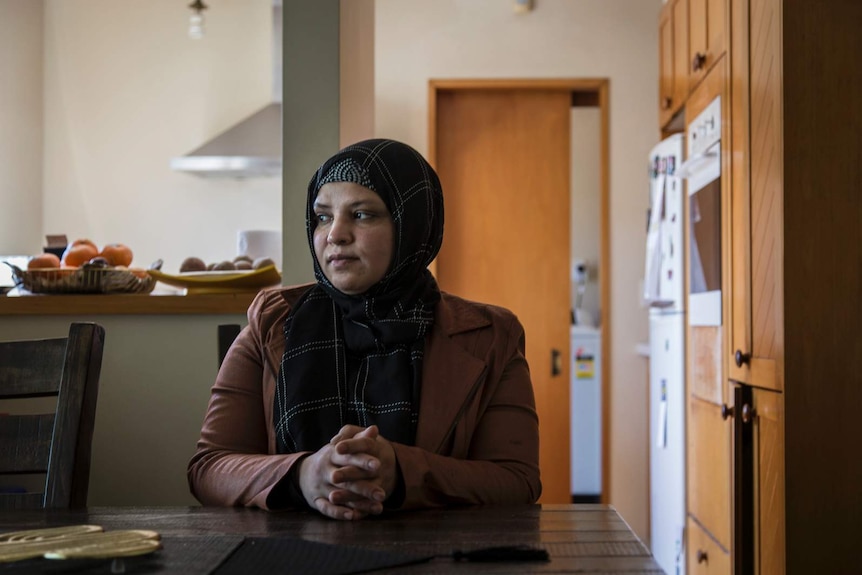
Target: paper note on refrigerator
[[652, 273]]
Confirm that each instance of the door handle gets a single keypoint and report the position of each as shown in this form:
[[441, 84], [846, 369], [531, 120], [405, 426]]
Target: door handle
[[556, 362]]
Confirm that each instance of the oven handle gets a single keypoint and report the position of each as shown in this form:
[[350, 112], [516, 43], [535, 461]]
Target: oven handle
[[696, 163]]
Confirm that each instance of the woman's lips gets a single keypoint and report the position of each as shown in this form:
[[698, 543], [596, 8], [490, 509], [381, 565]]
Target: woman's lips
[[340, 260]]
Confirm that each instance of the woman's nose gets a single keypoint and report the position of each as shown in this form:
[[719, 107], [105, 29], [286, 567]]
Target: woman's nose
[[339, 232]]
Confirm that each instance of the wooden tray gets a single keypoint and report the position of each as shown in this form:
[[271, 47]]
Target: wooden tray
[[221, 281]]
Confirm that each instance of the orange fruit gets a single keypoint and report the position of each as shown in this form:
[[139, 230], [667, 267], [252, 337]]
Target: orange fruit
[[117, 254], [85, 241], [78, 254], [43, 261]]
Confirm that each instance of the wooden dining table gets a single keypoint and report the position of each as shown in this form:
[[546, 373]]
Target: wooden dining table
[[578, 538]]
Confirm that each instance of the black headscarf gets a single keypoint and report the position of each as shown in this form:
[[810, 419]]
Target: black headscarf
[[357, 359]]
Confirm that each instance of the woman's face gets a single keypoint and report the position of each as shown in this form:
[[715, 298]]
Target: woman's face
[[353, 236]]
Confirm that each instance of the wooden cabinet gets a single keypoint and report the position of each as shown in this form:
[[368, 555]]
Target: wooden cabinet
[[706, 36], [708, 557], [709, 470], [794, 295], [673, 59], [692, 39], [708, 453]]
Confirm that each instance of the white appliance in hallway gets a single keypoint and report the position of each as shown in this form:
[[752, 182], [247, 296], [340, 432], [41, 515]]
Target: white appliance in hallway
[[664, 292], [586, 414]]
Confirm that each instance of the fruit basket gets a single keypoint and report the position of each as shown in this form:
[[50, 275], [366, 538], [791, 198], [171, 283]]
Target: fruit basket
[[83, 280]]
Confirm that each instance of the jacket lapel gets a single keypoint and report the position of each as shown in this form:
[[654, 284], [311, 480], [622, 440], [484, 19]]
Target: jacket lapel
[[450, 374]]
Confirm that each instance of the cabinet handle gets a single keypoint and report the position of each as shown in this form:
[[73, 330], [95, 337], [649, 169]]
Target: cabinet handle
[[747, 413], [726, 411], [698, 61], [702, 557], [666, 102], [741, 358]]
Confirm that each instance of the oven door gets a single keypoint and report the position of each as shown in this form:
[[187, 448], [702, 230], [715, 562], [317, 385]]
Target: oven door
[[703, 175]]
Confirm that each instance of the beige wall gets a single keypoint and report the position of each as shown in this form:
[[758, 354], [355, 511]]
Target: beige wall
[[20, 126], [421, 39], [126, 90]]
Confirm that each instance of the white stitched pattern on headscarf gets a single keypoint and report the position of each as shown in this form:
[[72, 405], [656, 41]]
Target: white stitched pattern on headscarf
[[347, 170]]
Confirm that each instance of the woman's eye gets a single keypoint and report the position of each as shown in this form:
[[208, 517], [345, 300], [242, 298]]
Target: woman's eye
[[322, 218], [362, 215]]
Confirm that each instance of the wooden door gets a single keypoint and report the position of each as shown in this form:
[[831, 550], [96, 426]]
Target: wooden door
[[757, 342], [705, 557], [768, 435], [709, 470], [503, 159], [680, 52]]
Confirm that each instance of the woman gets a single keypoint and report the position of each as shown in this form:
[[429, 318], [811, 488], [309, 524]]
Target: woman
[[370, 388]]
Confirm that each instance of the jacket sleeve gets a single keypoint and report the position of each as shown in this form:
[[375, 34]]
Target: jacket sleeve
[[232, 464], [502, 462]]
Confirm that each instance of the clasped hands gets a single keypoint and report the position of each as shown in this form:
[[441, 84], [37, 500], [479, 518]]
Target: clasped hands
[[351, 476]]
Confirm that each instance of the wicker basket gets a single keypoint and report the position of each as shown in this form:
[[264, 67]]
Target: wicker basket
[[81, 280]]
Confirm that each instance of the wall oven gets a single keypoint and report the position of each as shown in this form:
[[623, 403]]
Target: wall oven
[[702, 170]]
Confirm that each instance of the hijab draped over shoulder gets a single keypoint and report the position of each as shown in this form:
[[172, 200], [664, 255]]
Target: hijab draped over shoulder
[[357, 359]]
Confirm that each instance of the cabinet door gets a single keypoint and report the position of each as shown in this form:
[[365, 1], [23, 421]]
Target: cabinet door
[[756, 341], [709, 470], [666, 69], [706, 36], [769, 482], [716, 29], [705, 556], [680, 52]]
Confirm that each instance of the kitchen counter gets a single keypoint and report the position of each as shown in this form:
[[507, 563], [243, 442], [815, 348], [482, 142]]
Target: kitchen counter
[[160, 360], [127, 304]]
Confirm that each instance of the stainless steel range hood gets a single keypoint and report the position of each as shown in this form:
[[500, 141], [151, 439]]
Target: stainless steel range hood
[[251, 148]]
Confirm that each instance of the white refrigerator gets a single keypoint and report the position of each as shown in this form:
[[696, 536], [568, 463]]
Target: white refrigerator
[[664, 293]]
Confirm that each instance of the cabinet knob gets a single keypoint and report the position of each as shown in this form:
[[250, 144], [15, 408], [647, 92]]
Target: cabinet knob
[[702, 557], [741, 358], [747, 413], [666, 102], [726, 411], [698, 61]]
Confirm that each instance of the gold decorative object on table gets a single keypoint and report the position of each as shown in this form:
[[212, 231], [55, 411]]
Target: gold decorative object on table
[[220, 281], [86, 279], [76, 542]]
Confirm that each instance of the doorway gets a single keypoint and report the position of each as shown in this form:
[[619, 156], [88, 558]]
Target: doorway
[[502, 151]]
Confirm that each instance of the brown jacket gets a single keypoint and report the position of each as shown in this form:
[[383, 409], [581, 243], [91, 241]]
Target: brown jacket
[[477, 439]]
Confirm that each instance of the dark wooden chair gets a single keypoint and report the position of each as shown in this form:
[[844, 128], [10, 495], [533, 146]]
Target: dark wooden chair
[[57, 444], [226, 334]]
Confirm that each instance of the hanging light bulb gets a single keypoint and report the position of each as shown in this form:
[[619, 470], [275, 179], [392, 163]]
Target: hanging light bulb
[[196, 21]]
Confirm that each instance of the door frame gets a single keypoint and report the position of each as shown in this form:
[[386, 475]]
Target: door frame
[[585, 92]]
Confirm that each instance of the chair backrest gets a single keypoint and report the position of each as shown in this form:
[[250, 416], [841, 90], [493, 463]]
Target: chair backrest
[[226, 334], [57, 444]]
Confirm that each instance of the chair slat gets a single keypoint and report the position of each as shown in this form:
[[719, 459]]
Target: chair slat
[[21, 500], [31, 368], [25, 443]]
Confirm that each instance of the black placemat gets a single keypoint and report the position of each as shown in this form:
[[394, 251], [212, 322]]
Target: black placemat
[[274, 556]]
